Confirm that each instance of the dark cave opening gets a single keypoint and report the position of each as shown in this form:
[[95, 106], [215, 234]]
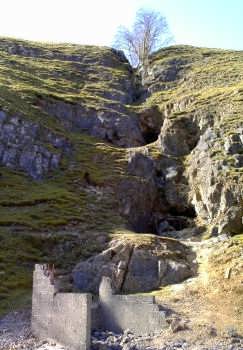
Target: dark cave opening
[[150, 136], [165, 223], [187, 212]]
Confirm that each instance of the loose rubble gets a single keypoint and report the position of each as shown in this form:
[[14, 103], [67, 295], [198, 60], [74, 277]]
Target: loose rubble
[[15, 334]]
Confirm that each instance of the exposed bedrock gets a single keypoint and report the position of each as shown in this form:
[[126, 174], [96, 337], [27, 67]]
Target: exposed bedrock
[[178, 136], [153, 198], [24, 146], [111, 125], [210, 171], [150, 122], [135, 266], [164, 196], [160, 77], [215, 194]]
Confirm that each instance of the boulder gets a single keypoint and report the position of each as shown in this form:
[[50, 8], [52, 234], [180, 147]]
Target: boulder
[[137, 263], [178, 136]]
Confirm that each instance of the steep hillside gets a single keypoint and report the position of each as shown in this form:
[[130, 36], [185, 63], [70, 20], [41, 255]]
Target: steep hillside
[[89, 154]]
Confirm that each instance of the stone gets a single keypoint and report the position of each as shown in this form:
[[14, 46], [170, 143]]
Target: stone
[[140, 164], [178, 137], [20, 146], [138, 197], [176, 272], [217, 201], [164, 226], [238, 160], [114, 126], [178, 325], [133, 267], [151, 121]]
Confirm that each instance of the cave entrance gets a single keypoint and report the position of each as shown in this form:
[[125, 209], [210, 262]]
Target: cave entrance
[[150, 136], [165, 223]]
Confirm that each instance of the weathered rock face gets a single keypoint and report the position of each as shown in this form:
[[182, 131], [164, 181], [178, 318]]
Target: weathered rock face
[[150, 121], [110, 125], [135, 266], [154, 196], [178, 137], [204, 130], [23, 146], [217, 199], [138, 194]]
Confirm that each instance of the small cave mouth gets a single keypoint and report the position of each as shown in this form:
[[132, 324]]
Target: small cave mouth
[[150, 136], [88, 179], [175, 220], [162, 224], [188, 212], [173, 223], [142, 225]]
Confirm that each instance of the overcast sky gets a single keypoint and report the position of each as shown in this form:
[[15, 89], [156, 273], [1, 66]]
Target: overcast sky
[[211, 23]]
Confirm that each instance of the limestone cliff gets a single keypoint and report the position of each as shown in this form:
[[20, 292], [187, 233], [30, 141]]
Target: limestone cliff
[[88, 152]]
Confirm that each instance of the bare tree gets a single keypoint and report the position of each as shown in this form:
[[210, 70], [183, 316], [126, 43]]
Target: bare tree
[[149, 33]]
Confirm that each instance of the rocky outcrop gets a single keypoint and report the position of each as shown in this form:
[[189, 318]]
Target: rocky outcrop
[[24, 146], [178, 136], [204, 131], [135, 265], [150, 121], [110, 125], [217, 198], [138, 193], [154, 198]]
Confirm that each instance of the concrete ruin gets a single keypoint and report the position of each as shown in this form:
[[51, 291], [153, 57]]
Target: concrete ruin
[[63, 317], [68, 318]]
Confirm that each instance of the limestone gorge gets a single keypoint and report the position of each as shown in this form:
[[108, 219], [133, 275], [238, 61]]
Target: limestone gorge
[[107, 172]]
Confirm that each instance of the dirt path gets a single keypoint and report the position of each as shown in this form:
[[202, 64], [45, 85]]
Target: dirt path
[[209, 300]]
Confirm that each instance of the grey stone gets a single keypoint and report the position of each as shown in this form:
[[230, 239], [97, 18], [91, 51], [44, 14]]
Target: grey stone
[[133, 268], [176, 272], [238, 160], [178, 325], [178, 136], [20, 146], [111, 125], [141, 165], [217, 201]]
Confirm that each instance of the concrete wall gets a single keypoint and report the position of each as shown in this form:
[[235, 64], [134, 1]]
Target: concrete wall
[[64, 317], [119, 312]]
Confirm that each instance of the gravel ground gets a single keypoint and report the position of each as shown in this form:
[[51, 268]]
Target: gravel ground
[[15, 333]]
